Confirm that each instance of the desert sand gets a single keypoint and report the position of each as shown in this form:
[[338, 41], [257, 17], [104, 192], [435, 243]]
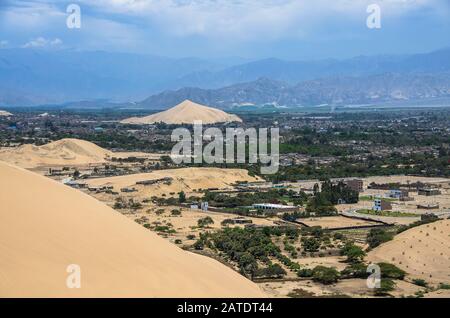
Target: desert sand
[[46, 226], [184, 179], [185, 113], [423, 252], [5, 113]]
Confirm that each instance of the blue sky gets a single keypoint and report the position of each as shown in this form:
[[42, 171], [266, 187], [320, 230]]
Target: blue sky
[[290, 29]]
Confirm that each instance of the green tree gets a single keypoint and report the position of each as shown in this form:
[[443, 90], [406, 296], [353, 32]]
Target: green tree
[[325, 275], [181, 197], [204, 222], [355, 254]]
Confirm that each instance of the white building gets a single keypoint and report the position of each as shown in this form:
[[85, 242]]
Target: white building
[[270, 206]]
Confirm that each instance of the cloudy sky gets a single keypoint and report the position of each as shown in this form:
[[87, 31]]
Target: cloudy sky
[[293, 29]]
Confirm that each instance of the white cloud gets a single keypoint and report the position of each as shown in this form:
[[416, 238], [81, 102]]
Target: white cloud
[[244, 19], [42, 42]]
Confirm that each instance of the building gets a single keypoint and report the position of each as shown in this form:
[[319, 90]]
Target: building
[[274, 207], [398, 194], [204, 206], [71, 183], [429, 191], [237, 220], [428, 206], [355, 184], [381, 205]]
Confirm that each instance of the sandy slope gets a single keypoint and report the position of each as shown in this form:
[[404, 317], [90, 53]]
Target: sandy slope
[[423, 252], [184, 179], [45, 226], [186, 113], [61, 152], [5, 113]]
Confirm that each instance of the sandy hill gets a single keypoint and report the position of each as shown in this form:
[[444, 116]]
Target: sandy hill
[[423, 252], [61, 152], [184, 179], [5, 113], [46, 226], [186, 113]]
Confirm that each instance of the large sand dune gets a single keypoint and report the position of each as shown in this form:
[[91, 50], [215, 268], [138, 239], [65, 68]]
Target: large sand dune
[[184, 179], [423, 252], [45, 226], [185, 113], [61, 152]]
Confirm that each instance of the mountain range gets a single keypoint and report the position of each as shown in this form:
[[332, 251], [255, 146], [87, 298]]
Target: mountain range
[[339, 91], [30, 77]]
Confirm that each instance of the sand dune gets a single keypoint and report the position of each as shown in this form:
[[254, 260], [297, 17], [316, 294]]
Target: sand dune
[[45, 226], [186, 113], [61, 152], [184, 179], [5, 113], [423, 252]]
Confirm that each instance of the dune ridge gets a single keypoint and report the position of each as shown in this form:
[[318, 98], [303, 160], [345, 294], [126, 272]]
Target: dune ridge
[[60, 152], [49, 226], [423, 252], [185, 113]]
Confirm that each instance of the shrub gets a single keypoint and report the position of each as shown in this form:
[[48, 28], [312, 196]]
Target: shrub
[[354, 253], [386, 285], [420, 282], [175, 212], [310, 244], [357, 270], [274, 270], [159, 211], [204, 222], [378, 236], [305, 272], [178, 241], [325, 275], [391, 271], [199, 245], [338, 236]]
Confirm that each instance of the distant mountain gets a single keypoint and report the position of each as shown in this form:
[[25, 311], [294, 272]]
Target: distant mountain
[[296, 71], [332, 91], [40, 76]]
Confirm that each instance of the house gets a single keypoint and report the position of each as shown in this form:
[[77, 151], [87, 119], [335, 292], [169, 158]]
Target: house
[[398, 194], [429, 191], [381, 205], [204, 206], [71, 183], [355, 184], [428, 206], [274, 207]]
